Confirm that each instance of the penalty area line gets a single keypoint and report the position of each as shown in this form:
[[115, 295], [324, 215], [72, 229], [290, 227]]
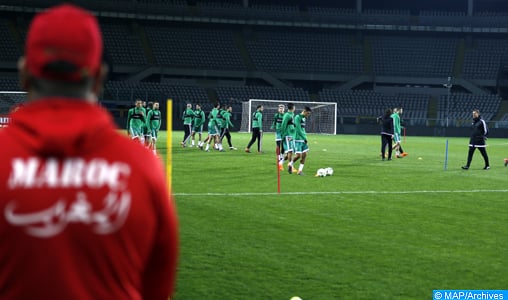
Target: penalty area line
[[340, 193]]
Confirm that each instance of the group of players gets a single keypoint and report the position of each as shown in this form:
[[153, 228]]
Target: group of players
[[219, 125], [290, 134], [144, 122], [291, 137]]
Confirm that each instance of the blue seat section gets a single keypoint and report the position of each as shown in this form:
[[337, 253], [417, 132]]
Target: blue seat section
[[460, 106], [483, 58], [297, 51], [129, 91], [244, 93], [9, 84], [194, 47], [367, 103], [122, 44], [413, 56], [10, 49]]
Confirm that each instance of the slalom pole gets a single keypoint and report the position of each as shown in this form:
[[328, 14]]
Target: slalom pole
[[446, 156]]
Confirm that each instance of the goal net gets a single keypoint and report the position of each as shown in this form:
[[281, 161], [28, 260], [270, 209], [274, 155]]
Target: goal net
[[8, 102], [322, 120]]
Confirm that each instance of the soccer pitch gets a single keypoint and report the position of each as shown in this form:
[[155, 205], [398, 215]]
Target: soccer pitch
[[374, 230]]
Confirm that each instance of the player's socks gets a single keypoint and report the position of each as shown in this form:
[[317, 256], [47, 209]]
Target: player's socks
[[207, 148], [300, 168]]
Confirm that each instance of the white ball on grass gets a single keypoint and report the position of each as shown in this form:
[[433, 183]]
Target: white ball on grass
[[321, 173], [329, 171]]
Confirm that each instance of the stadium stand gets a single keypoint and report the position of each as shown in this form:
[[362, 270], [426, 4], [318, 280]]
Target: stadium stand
[[290, 54], [483, 59], [194, 47], [368, 103], [128, 91], [258, 92], [9, 50], [296, 51], [122, 44], [458, 107], [413, 55]]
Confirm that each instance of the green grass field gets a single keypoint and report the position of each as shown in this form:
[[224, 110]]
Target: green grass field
[[374, 230]]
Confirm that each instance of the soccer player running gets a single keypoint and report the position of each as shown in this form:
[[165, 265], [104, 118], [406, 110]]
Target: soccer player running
[[479, 132], [301, 146], [257, 129], [226, 124], [154, 124], [187, 116], [277, 125], [136, 120], [288, 135]]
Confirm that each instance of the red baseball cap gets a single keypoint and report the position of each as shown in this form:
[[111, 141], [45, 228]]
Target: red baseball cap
[[64, 43]]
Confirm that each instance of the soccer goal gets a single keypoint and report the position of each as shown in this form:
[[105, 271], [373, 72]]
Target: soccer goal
[[8, 101], [322, 120]]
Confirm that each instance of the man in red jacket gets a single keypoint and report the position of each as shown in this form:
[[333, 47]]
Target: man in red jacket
[[85, 213]]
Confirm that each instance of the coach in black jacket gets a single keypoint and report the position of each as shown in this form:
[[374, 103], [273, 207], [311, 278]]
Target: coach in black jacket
[[479, 131]]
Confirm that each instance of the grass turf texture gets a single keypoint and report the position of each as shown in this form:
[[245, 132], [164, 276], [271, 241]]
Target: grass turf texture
[[374, 230]]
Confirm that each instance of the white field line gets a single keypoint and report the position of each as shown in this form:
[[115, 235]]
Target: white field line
[[341, 193]]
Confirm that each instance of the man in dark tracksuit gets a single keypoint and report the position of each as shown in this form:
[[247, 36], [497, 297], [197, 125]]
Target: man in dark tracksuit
[[386, 134], [479, 131]]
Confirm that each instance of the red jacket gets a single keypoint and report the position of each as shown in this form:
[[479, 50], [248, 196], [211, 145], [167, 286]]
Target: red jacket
[[84, 212]]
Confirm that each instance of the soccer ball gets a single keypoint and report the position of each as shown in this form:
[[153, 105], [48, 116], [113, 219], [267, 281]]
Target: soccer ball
[[321, 173], [329, 171]]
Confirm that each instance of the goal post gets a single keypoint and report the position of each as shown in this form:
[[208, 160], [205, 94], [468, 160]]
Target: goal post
[[322, 120], [9, 100]]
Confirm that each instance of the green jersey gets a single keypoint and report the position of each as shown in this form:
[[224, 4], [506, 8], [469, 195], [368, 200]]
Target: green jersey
[[300, 134], [212, 118], [153, 119], [396, 123], [288, 125], [199, 117], [136, 118], [187, 116], [227, 120], [145, 126], [277, 122], [257, 119], [220, 118]]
